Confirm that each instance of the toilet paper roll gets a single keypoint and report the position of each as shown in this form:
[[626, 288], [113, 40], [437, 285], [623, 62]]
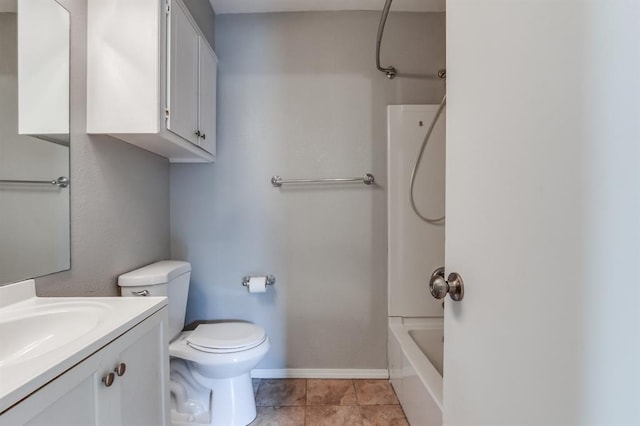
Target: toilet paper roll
[[257, 284]]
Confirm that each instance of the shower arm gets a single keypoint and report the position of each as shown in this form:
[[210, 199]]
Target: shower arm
[[389, 71]]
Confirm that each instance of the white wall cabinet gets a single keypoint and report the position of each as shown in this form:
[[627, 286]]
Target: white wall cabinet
[[81, 396], [151, 78]]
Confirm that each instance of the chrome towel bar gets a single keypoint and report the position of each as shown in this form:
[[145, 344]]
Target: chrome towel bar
[[61, 182], [367, 179]]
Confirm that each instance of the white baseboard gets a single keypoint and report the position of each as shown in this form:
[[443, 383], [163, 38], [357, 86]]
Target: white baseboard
[[319, 373]]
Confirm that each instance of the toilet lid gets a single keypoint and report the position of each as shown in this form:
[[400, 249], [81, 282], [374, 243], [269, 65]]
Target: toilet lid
[[226, 336]]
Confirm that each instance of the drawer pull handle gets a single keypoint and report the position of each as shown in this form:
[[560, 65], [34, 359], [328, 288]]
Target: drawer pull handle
[[109, 379], [121, 369]]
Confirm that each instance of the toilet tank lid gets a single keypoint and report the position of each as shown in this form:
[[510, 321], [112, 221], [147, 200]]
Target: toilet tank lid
[[157, 273]]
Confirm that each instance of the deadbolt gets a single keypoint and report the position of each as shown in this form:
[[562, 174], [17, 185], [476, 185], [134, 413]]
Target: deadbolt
[[439, 287]]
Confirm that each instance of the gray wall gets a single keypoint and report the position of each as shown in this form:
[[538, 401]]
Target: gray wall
[[202, 12], [299, 96], [119, 196]]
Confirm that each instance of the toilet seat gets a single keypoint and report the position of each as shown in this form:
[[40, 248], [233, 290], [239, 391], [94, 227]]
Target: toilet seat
[[226, 337], [180, 348]]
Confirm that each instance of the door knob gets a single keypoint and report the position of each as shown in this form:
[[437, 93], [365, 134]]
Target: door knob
[[439, 287]]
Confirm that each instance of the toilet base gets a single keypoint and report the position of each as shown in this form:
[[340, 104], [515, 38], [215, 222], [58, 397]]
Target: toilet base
[[221, 381], [233, 402]]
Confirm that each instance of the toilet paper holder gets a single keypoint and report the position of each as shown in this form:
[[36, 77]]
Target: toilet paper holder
[[271, 280]]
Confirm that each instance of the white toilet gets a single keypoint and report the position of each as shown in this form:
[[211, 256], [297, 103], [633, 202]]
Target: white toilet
[[211, 365]]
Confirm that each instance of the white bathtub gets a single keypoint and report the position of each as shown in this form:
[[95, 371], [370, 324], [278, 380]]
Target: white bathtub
[[416, 373]]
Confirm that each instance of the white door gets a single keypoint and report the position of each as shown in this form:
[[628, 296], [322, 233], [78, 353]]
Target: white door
[[543, 212], [183, 76], [207, 98]]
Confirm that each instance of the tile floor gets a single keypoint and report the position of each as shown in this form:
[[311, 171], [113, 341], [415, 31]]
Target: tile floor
[[316, 402]]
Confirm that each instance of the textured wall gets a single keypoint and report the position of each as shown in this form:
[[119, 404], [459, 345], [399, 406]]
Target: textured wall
[[202, 12], [299, 96], [119, 196]]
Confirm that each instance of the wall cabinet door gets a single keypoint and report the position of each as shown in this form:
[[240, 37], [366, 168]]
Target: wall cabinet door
[[207, 98], [183, 76]]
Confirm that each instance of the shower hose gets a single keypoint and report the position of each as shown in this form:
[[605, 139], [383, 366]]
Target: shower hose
[[414, 172]]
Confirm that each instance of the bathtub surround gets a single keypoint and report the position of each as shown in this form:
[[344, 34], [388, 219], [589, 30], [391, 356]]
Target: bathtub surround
[[416, 248], [299, 96]]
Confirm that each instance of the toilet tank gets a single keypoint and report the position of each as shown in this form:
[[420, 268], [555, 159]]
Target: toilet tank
[[168, 278]]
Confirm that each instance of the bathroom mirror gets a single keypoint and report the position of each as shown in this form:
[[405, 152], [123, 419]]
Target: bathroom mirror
[[34, 139]]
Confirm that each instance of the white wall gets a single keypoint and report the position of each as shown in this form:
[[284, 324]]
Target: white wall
[[299, 96]]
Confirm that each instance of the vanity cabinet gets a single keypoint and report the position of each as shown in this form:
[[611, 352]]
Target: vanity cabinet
[[151, 78], [124, 383]]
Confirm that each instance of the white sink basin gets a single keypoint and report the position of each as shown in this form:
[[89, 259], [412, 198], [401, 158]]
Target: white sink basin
[[42, 337], [34, 331]]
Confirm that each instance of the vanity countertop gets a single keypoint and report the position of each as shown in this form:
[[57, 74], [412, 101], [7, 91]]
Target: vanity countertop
[[42, 337]]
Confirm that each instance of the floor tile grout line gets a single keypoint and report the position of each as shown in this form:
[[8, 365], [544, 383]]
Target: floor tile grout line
[[359, 408]]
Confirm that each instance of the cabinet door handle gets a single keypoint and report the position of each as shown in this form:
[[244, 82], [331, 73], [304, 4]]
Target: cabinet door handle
[[120, 369], [204, 136], [109, 379], [198, 133]]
